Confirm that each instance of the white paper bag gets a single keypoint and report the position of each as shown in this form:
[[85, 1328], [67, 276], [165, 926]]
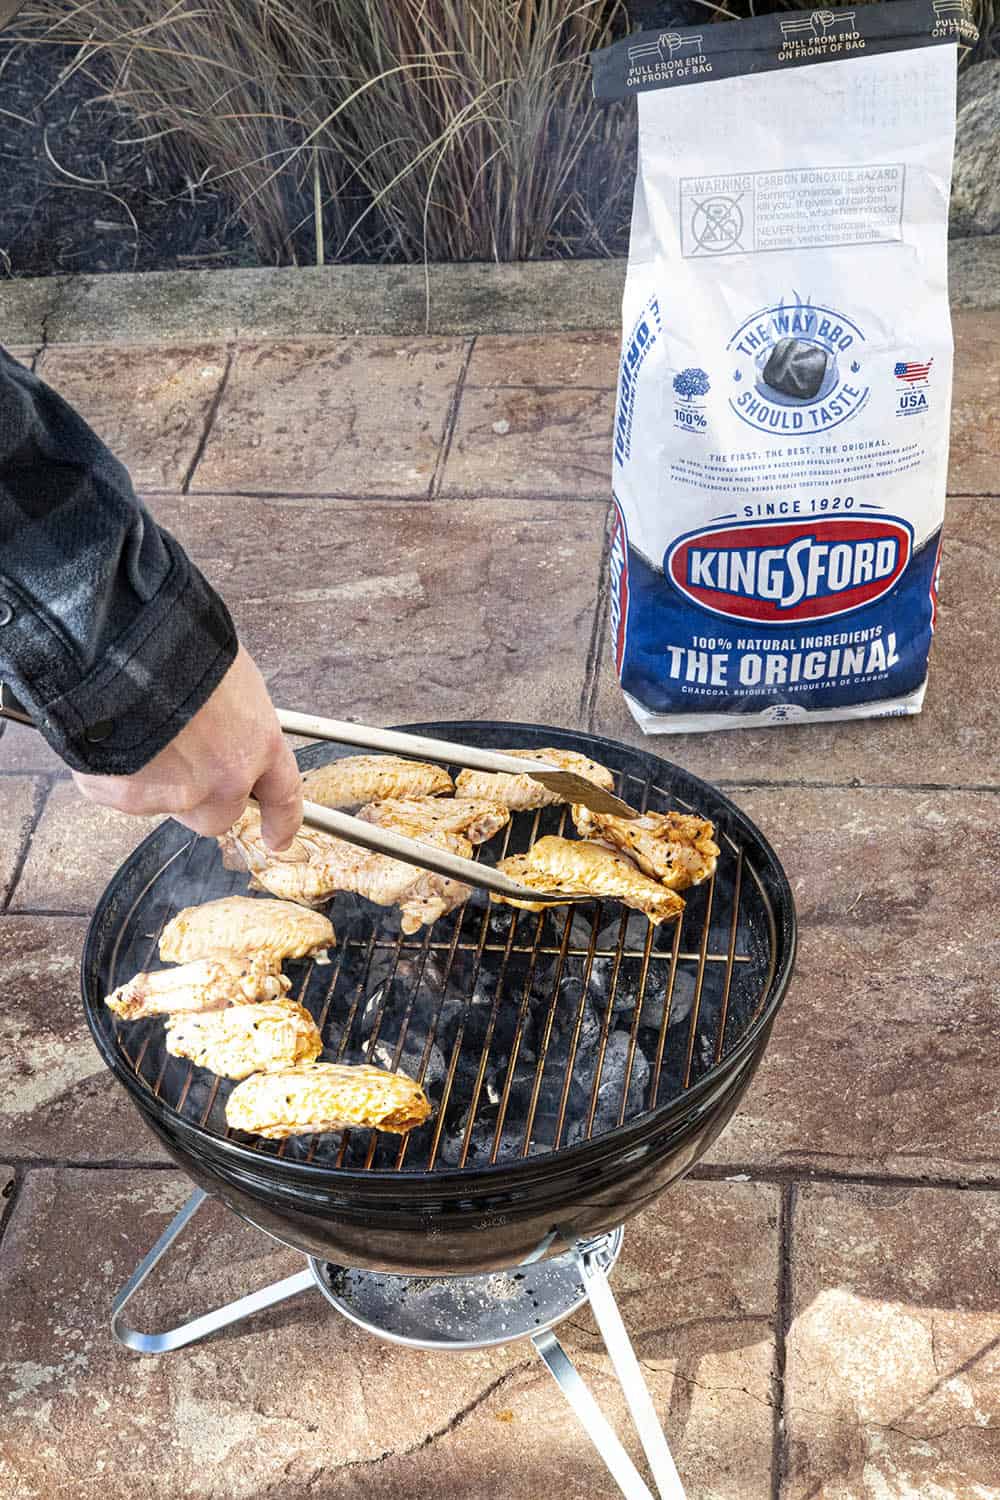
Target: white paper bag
[[781, 434]]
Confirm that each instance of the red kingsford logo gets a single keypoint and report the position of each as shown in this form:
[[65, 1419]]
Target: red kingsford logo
[[782, 572]]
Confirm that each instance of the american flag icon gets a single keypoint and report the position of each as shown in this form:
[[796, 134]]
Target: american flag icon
[[912, 370]]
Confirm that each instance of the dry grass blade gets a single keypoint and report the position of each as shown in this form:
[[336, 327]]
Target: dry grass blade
[[318, 209], [390, 129]]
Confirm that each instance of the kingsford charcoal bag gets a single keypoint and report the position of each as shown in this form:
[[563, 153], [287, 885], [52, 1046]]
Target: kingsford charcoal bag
[[781, 434]]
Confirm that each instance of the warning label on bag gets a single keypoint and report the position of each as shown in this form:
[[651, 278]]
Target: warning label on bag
[[753, 212]]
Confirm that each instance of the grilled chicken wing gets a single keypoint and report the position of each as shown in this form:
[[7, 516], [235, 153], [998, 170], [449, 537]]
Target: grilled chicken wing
[[520, 793], [358, 779], [246, 1039], [476, 821], [678, 849], [208, 984], [296, 874], [326, 1096], [317, 865], [586, 872], [239, 924]]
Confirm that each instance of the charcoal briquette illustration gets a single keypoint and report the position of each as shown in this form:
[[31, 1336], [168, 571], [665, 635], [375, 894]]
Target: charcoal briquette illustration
[[796, 368]]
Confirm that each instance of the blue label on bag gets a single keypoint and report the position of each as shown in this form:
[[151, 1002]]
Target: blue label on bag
[[818, 612]]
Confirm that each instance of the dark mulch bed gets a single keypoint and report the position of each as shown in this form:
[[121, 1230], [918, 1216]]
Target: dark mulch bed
[[78, 193], [51, 223]]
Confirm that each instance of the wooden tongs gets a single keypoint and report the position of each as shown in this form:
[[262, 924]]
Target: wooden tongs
[[568, 784]]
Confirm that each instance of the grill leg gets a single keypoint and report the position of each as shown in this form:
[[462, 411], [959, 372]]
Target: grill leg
[[593, 1421], [197, 1328], [629, 1372]]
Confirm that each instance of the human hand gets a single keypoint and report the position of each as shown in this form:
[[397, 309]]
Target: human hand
[[232, 749]]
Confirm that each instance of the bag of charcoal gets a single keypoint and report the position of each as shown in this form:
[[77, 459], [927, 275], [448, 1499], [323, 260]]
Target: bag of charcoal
[[781, 433]]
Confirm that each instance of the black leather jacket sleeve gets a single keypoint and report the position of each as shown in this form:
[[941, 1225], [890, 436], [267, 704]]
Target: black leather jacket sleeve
[[109, 636]]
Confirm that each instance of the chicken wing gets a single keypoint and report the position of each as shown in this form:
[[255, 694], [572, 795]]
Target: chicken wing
[[586, 872], [297, 874], [358, 779], [326, 1096], [521, 793], [476, 821], [246, 1039], [317, 865], [240, 924], [207, 984], [678, 849]]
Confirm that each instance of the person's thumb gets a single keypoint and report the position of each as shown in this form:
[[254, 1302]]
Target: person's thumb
[[279, 794]]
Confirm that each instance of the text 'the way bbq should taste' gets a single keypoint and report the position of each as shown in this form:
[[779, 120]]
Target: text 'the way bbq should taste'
[[781, 433]]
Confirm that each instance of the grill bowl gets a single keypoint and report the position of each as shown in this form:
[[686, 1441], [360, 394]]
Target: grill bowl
[[578, 1061]]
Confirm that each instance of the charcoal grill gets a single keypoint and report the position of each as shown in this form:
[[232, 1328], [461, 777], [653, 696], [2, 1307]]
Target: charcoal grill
[[578, 1061]]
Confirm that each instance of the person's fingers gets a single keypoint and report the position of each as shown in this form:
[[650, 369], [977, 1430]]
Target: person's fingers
[[232, 747], [279, 793], [213, 817], [127, 794], [100, 789]]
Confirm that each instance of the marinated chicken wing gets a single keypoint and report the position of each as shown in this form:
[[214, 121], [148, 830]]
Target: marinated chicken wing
[[521, 793], [326, 1096], [317, 865], [206, 985], [476, 821], [239, 924], [296, 874], [678, 849], [585, 872], [246, 1039], [358, 779]]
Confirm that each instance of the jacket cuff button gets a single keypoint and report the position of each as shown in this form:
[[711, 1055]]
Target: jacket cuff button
[[6, 612], [98, 733]]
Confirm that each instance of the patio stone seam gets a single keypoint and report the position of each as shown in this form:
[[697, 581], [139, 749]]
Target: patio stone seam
[[783, 1323], [591, 674], [10, 1206], [62, 775], [46, 911], [451, 421], [497, 492], [854, 785], [210, 415], [27, 1164], [807, 1176], [537, 386], [44, 783], [334, 496], [180, 343]]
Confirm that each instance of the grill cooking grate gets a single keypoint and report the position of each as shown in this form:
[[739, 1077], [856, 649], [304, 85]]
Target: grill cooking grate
[[530, 1031]]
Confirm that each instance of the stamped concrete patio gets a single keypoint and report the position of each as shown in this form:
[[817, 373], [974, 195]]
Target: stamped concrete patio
[[414, 526]]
